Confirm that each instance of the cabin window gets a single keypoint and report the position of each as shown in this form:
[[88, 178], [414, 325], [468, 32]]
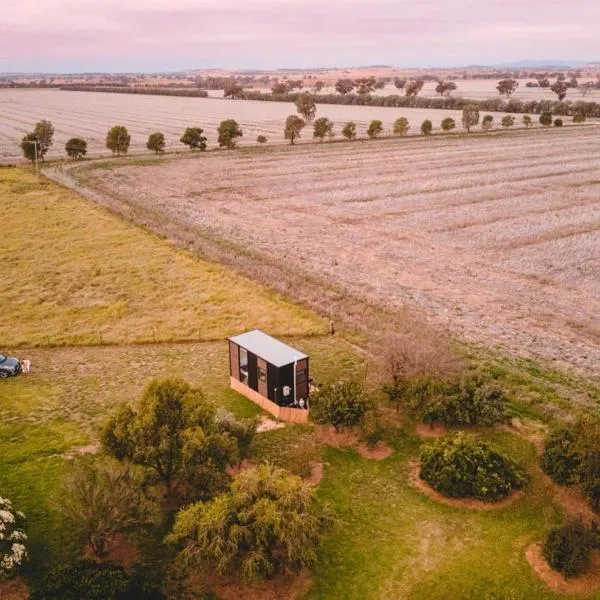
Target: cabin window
[[244, 366], [262, 374], [301, 376]]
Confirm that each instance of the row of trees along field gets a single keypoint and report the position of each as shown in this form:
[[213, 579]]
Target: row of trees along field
[[35, 145], [171, 470]]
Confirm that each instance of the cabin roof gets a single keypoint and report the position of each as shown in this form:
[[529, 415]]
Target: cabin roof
[[268, 348]]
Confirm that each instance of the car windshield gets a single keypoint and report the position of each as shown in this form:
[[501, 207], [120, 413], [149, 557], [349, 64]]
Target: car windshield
[[2, 358]]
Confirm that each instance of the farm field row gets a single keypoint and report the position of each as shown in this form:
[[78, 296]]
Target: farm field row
[[91, 115], [495, 237]]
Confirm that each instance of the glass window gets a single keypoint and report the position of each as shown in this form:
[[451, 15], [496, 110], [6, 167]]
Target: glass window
[[262, 374], [244, 366]]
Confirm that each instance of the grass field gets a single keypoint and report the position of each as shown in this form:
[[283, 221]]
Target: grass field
[[493, 236]]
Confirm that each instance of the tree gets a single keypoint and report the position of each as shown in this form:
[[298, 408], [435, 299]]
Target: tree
[[412, 88], [401, 126], [448, 124], [280, 89], [399, 83], [445, 88], [29, 147], [156, 142], [306, 107], [341, 404], [344, 86], [89, 580], [76, 147], [102, 498], [567, 549], [267, 523], [464, 467], [375, 128], [118, 139], [546, 119], [174, 435], [470, 116], [261, 139], [349, 130], [426, 127], [558, 122], [293, 127], [578, 118], [228, 130], [487, 123], [192, 137], [527, 121], [507, 87], [543, 82], [44, 133], [318, 86], [508, 121], [560, 88], [232, 90], [323, 128], [13, 552], [365, 85]]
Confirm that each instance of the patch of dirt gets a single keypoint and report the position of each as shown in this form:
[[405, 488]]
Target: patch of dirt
[[267, 424], [378, 452], [571, 500], [122, 550], [316, 473], [469, 503], [587, 584], [280, 588], [435, 430], [326, 434], [14, 589]]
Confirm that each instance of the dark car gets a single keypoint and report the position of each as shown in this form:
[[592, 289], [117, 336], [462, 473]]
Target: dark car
[[9, 366]]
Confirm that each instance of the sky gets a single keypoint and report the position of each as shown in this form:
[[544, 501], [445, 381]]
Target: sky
[[169, 35]]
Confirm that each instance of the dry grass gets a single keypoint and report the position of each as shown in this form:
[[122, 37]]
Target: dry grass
[[501, 251], [74, 274]]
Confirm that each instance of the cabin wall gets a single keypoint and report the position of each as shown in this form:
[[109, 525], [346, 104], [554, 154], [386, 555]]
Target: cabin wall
[[234, 360]]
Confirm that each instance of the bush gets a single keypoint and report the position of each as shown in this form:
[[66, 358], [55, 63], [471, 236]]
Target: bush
[[341, 404], [375, 128], [464, 467], [508, 121], [578, 118], [558, 122], [88, 580], [372, 430], [560, 460], [487, 122], [546, 119], [13, 552], [567, 549], [76, 147], [448, 124], [527, 121], [426, 127], [261, 139]]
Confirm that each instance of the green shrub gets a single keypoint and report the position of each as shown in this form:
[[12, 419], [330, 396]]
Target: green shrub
[[560, 460], [426, 127], [372, 430], [567, 549], [464, 467], [578, 118], [341, 404], [448, 124], [558, 122], [546, 119], [261, 139], [88, 580]]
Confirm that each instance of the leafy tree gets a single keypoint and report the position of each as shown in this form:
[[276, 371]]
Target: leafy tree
[[527, 121], [543, 82], [118, 139], [470, 116], [232, 90], [29, 148], [465, 467], [102, 498], [280, 89], [507, 87], [578, 118], [13, 552], [426, 127], [344, 86], [399, 83], [445, 88], [546, 119], [174, 434], [375, 128], [487, 123], [306, 107], [242, 431], [229, 130], [448, 124], [342, 404], [318, 86], [508, 121], [89, 580], [412, 88], [323, 128], [293, 127], [44, 133], [192, 137], [560, 88], [76, 147], [401, 126], [365, 85], [349, 130], [156, 142], [261, 139], [567, 549], [558, 122], [267, 523]]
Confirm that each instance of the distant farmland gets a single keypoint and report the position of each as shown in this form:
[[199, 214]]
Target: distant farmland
[[90, 115], [497, 237]]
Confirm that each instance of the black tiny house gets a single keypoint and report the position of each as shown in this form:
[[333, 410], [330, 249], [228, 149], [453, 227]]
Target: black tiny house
[[271, 374]]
